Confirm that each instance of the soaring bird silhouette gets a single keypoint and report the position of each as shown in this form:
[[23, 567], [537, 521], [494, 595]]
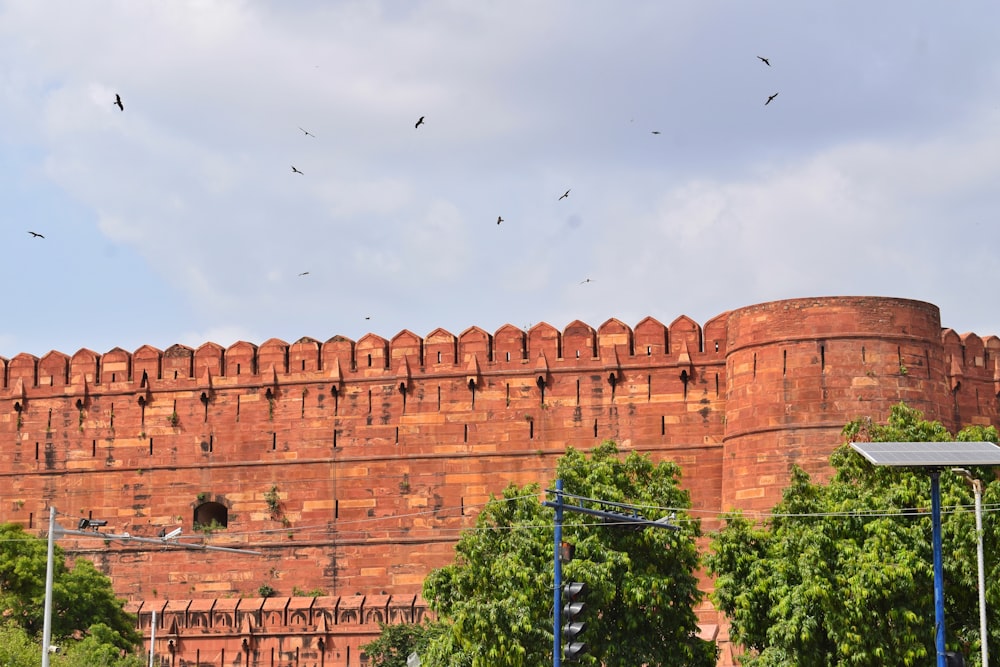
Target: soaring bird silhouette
[[655, 132], [307, 133], [769, 98], [499, 219], [420, 122], [294, 170], [304, 273], [35, 235], [764, 60], [564, 195], [586, 280], [118, 102]]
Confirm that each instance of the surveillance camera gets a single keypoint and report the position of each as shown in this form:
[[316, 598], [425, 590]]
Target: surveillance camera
[[53, 649], [172, 534]]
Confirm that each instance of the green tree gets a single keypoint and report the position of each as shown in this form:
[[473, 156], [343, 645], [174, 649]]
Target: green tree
[[101, 646], [81, 595], [496, 598], [842, 572], [17, 647], [396, 642]]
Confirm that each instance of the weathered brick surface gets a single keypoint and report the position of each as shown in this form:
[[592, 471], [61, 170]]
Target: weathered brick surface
[[352, 466]]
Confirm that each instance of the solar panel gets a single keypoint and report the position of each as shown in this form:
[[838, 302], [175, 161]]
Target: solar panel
[[929, 454]]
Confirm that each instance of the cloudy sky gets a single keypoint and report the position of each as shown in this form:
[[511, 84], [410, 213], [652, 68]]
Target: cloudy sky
[[875, 170]]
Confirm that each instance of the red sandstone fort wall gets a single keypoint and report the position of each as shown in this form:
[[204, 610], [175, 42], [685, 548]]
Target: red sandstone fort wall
[[352, 466]]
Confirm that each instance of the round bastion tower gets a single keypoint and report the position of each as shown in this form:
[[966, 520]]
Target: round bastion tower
[[798, 370]]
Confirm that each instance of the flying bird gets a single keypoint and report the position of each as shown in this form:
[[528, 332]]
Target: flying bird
[[35, 235], [307, 132], [655, 132], [419, 122], [564, 195], [499, 219], [118, 102], [304, 273], [587, 280], [769, 98], [294, 170], [764, 60]]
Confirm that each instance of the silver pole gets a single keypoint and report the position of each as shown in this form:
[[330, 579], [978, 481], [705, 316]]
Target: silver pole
[[152, 638], [977, 486], [47, 616]]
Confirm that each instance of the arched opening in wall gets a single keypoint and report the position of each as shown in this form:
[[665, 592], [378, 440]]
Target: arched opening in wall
[[210, 514]]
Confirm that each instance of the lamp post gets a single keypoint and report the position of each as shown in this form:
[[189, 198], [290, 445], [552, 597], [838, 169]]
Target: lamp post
[[55, 530], [47, 613], [977, 488], [932, 457]]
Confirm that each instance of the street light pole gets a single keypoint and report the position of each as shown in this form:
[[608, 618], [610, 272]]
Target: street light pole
[[49, 565], [977, 488], [55, 530]]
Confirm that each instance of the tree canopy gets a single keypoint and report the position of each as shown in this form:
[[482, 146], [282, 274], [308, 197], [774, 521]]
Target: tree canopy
[[494, 602], [842, 573], [82, 597]]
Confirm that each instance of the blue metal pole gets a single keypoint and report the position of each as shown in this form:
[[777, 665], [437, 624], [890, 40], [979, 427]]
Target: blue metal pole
[[938, 568], [557, 579]]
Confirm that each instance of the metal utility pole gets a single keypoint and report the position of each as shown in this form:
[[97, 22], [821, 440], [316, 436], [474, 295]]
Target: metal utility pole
[[47, 614], [623, 515], [55, 530], [977, 489], [557, 589]]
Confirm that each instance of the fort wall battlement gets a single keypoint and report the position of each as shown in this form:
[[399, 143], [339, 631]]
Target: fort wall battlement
[[352, 466]]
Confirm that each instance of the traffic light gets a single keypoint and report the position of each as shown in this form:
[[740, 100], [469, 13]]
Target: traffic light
[[953, 659], [572, 626]]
